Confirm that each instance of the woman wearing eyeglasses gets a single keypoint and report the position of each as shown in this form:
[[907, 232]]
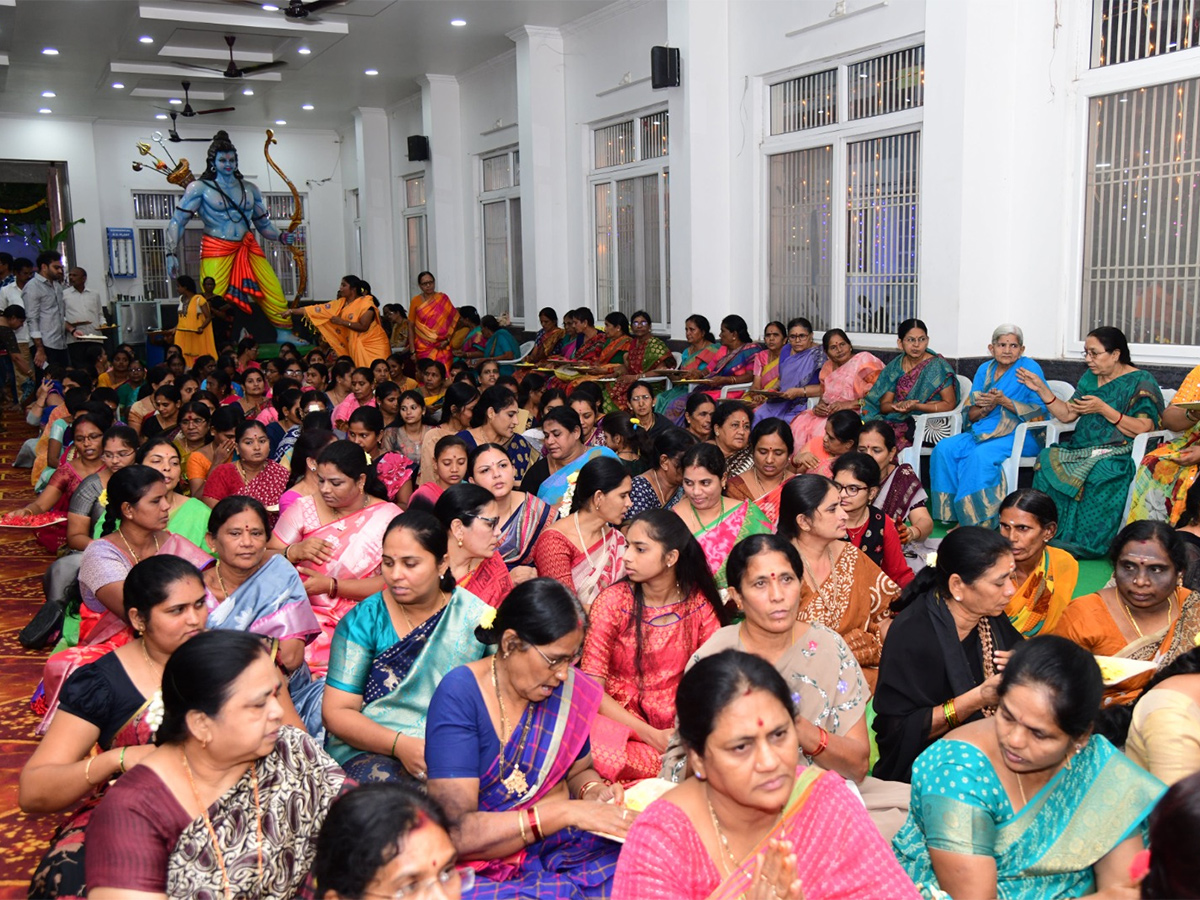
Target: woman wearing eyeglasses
[[388, 841], [842, 589], [472, 521], [507, 748], [788, 366], [85, 512], [868, 528], [1087, 475]]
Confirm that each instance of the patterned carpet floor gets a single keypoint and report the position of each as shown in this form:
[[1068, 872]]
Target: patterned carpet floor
[[23, 561]]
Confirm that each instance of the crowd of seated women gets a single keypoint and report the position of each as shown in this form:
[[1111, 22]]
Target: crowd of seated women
[[417, 628]]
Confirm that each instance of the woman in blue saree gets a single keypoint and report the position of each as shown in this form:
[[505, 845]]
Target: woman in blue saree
[[916, 381], [390, 651], [510, 760], [263, 594], [965, 470], [1029, 803], [798, 367], [564, 454], [499, 343]]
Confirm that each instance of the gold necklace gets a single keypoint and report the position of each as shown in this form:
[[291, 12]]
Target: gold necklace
[[658, 491], [695, 514], [1021, 788], [515, 782], [408, 621], [151, 663], [1133, 621], [720, 834], [808, 566], [125, 541], [221, 581], [212, 832]]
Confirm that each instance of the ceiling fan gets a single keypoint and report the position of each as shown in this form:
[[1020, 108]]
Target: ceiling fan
[[173, 134], [187, 112], [299, 10], [233, 70]]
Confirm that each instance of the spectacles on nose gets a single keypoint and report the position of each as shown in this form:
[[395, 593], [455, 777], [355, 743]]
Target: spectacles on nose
[[559, 662], [851, 490], [440, 882], [114, 457], [1092, 354], [489, 521]]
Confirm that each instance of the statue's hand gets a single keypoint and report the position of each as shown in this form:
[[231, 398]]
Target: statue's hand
[[287, 238], [172, 266]]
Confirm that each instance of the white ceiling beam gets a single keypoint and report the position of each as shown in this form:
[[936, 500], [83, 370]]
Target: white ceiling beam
[[139, 68], [169, 93], [219, 54], [197, 15]]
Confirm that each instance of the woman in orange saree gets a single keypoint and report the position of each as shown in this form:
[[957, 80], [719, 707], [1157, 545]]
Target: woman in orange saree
[[366, 340], [431, 321], [684, 846]]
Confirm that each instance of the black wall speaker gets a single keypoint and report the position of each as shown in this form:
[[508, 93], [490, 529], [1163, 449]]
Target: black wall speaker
[[664, 67], [418, 148]]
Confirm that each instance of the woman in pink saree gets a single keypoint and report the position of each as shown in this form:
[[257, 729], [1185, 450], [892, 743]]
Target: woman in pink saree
[[335, 539], [686, 845], [846, 378]]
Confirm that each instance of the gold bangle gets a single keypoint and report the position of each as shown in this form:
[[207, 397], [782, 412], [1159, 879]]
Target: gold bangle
[[521, 825], [587, 787], [87, 771], [121, 760]]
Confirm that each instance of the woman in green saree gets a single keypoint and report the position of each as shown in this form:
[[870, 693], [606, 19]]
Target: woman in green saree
[[1088, 474], [1029, 803], [646, 354], [916, 381], [392, 649]]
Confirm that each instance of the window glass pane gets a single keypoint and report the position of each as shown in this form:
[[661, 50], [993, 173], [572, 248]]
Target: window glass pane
[[417, 260], [604, 247], [516, 263], [516, 167], [882, 218], [799, 267], [1141, 258], [614, 145], [414, 191], [495, 257], [1125, 30], [666, 246], [654, 135], [886, 84], [806, 102], [154, 204], [497, 172]]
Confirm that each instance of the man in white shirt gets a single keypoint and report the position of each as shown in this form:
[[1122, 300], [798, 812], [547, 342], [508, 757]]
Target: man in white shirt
[[46, 312], [83, 311], [10, 295]]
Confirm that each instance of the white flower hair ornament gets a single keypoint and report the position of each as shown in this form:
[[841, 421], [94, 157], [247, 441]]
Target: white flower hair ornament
[[931, 559]]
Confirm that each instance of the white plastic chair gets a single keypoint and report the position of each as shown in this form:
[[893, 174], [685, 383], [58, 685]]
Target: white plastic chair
[[525, 349], [663, 379], [1053, 427], [921, 422], [1142, 445], [740, 386]]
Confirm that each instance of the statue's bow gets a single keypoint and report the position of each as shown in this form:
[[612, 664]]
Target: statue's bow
[[297, 216]]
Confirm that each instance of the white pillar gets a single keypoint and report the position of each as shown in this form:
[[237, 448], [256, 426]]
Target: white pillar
[[542, 123], [373, 160], [701, 166], [446, 170]]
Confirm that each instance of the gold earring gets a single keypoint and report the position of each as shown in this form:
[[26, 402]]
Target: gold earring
[[460, 542]]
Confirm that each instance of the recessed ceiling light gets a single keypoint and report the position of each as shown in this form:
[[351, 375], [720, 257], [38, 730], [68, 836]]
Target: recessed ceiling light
[[160, 116], [45, 110], [307, 106], [303, 51], [49, 94], [49, 51], [118, 85], [371, 72], [146, 39], [458, 23], [247, 93], [174, 102], [281, 121], [270, 7]]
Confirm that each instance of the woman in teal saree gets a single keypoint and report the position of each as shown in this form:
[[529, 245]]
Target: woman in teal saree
[[916, 381], [997, 812], [1088, 474], [391, 650]]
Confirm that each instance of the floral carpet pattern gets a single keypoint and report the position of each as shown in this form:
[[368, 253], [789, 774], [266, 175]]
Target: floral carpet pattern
[[23, 561]]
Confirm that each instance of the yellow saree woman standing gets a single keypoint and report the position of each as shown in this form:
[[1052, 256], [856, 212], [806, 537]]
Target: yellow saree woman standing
[[194, 333]]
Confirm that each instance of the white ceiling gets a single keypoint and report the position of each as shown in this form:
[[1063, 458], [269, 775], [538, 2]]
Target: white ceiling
[[98, 44]]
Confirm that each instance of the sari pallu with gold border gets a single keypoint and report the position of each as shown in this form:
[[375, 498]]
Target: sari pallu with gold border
[[643, 355], [61, 871], [1048, 848], [569, 863]]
